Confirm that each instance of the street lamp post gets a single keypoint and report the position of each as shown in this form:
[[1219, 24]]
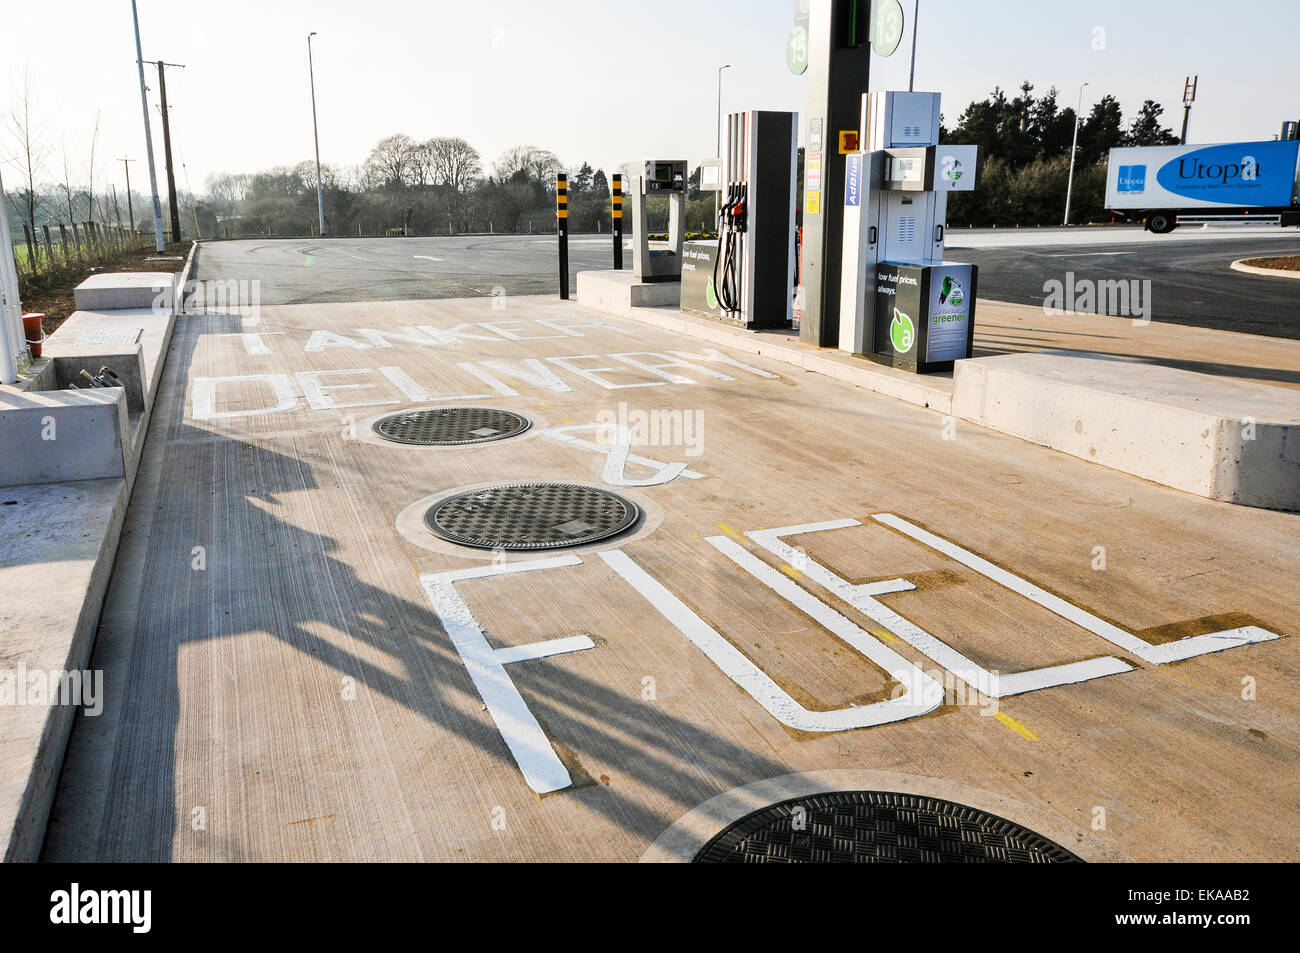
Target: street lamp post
[[1069, 188], [148, 136], [718, 195], [320, 194]]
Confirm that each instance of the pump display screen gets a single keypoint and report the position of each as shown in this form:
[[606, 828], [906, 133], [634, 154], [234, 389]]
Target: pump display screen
[[905, 170]]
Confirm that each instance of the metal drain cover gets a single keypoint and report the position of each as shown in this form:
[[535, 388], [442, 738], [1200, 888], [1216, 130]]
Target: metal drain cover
[[451, 426], [874, 827], [531, 516]]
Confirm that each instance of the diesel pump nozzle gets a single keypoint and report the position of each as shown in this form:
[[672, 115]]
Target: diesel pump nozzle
[[726, 273]]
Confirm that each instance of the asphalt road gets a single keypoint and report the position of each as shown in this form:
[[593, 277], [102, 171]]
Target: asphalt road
[[1191, 282], [402, 269]]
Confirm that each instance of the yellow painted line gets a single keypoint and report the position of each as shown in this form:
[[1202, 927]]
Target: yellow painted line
[[1016, 726], [731, 532], [887, 636], [791, 572]]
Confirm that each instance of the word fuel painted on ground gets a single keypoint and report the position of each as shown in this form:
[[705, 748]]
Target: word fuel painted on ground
[[918, 693]]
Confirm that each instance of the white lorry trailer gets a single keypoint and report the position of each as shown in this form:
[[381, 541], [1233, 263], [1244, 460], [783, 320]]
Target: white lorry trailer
[[1168, 186]]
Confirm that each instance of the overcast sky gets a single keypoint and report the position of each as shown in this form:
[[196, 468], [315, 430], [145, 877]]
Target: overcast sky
[[597, 81]]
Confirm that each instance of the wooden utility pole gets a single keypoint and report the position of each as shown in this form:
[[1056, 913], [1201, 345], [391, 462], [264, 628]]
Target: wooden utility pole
[[167, 150]]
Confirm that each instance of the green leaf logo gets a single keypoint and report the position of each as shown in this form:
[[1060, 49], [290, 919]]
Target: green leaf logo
[[711, 296], [902, 332]]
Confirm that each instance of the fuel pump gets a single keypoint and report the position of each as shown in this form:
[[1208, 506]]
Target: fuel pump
[[753, 269]]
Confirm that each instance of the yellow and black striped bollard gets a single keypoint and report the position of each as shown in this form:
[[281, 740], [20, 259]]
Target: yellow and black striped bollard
[[617, 216], [562, 217]]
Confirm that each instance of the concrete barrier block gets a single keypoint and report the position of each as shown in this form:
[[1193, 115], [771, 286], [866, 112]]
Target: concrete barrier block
[[115, 291], [618, 292], [63, 436], [1227, 440]]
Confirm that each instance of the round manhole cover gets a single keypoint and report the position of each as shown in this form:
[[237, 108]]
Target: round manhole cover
[[451, 426], [529, 516], [874, 827]]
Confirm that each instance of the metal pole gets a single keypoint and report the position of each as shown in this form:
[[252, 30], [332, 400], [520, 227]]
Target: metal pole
[[320, 193], [616, 216], [562, 220], [130, 206], [148, 136], [1069, 188], [172, 205], [13, 339], [916, 23], [717, 196]]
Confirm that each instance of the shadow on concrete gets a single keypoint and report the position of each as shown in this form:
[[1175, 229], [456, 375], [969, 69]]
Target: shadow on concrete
[[267, 578]]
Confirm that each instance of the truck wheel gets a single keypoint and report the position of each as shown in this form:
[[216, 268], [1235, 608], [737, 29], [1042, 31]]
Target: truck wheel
[[1162, 223]]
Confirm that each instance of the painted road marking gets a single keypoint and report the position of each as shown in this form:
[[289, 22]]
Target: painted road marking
[[1091, 254], [1154, 654], [532, 371], [1016, 726], [757, 684], [862, 598], [619, 455], [541, 650], [923, 694], [538, 761]]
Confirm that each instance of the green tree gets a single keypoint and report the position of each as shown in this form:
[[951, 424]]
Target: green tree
[[1102, 131], [582, 179], [1146, 129]]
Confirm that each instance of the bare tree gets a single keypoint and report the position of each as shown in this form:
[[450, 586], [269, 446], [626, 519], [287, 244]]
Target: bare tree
[[29, 137], [455, 162], [94, 141], [65, 186], [539, 165], [420, 164], [227, 192], [389, 162]]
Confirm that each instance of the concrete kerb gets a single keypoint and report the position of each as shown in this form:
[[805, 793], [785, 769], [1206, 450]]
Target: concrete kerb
[[1240, 265], [183, 279], [62, 630], [1217, 438]]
